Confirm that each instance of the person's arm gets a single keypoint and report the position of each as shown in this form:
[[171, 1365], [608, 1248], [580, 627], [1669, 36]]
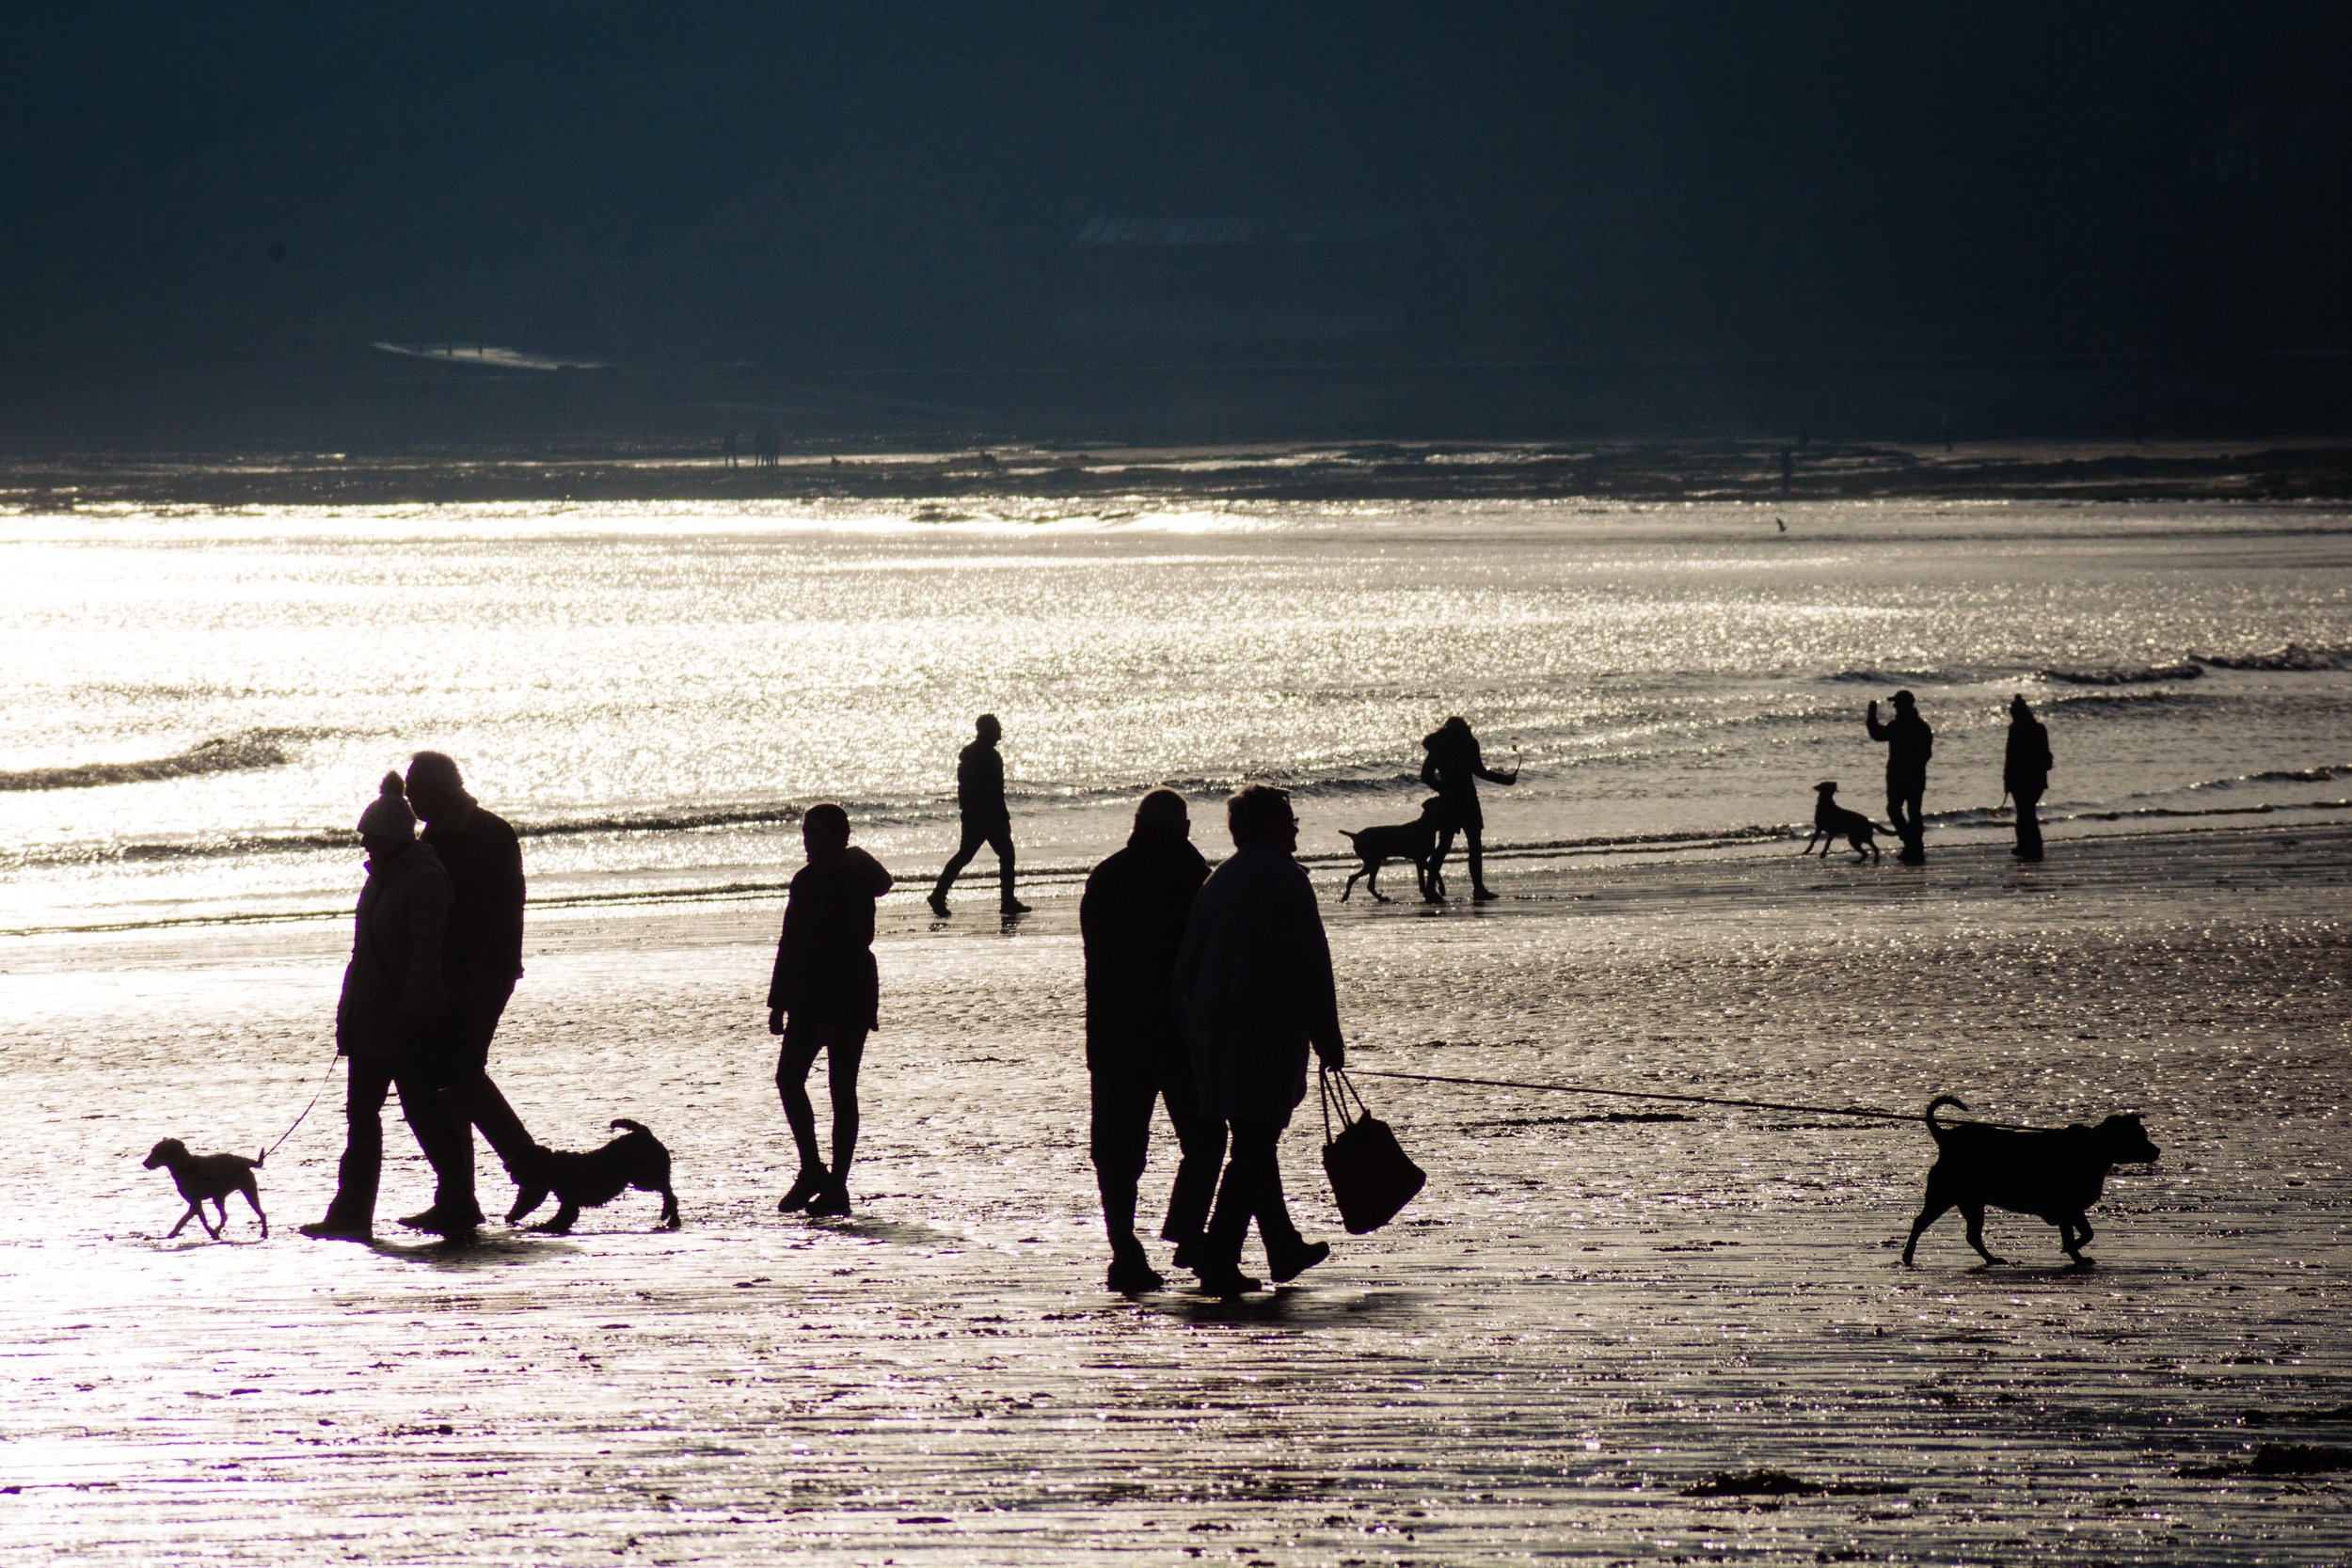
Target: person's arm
[[1877, 731], [775, 981], [1306, 964], [507, 893], [1429, 770], [869, 870], [425, 989]]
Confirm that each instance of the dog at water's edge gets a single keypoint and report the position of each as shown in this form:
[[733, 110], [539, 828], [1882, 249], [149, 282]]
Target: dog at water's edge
[[1832, 822], [1415, 841], [2055, 1175]]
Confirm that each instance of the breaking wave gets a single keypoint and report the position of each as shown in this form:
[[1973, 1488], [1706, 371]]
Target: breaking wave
[[2293, 656], [235, 753], [2185, 670]]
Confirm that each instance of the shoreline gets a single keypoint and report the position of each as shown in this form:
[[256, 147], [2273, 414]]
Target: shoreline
[[2315, 473]]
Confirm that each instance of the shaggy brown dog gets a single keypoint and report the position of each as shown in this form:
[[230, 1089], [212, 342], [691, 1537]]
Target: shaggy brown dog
[[587, 1181], [2053, 1175], [208, 1177]]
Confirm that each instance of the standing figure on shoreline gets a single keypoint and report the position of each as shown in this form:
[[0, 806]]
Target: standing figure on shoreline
[[481, 958], [1253, 991], [393, 1003], [1909, 744], [980, 805], [2025, 773], [1453, 767], [1131, 923], [825, 996]]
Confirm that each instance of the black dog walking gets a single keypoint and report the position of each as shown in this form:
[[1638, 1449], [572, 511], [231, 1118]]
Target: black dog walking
[[1131, 922], [825, 996]]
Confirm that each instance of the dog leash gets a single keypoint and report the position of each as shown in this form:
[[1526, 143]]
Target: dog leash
[[306, 1110], [1869, 1112]]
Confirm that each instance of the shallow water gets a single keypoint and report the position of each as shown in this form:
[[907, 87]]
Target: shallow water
[[1580, 1320], [198, 702]]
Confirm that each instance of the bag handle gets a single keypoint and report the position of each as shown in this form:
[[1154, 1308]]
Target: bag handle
[[1333, 1090]]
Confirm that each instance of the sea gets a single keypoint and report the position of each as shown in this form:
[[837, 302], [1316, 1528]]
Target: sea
[[200, 701]]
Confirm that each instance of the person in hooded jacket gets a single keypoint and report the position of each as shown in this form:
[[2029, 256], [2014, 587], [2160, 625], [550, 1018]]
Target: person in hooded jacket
[[2025, 773], [825, 996], [1453, 767], [395, 1000], [1131, 922], [1253, 993]]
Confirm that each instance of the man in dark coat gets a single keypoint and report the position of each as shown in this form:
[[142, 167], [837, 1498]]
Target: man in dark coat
[[1131, 922], [2025, 773], [825, 994], [1254, 993], [1909, 744], [1453, 767], [483, 955], [980, 804]]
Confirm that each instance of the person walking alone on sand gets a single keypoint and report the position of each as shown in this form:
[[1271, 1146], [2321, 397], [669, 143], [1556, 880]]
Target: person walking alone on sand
[[1909, 744], [980, 804], [1253, 993], [1131, 923], [1453, 767], [481, 958], [2024, 774], [825, 996], [393, 1008]]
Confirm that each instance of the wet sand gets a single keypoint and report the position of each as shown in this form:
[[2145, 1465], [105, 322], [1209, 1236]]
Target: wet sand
[[1588, 1315]]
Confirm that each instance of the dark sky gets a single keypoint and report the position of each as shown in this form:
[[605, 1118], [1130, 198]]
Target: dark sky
[[679, 188]]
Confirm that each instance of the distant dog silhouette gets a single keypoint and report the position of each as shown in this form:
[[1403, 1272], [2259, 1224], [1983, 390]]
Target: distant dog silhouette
[[2055, 1175], [591, 1179], [1415, 841], [1832, 822], [208, 1177]]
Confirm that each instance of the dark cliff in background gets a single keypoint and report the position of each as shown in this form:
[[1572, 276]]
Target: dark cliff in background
[[1187, 223]]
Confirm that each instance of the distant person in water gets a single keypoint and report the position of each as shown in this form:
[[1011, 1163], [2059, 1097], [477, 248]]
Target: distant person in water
[[394, 1005], [825, 996], [1253, 993], [481, 954], [980, 804], [1131, 922], [1453, 767], [1909, 744], [2024, 774]]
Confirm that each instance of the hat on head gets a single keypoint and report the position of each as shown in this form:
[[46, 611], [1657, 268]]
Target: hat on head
[[1902, 699], [387, 816]]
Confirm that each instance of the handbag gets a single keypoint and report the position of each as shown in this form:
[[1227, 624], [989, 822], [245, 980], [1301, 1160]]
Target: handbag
[[1372, 1176]]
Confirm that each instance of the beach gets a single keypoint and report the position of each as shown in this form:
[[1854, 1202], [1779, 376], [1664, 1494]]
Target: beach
[[1594, 1309]]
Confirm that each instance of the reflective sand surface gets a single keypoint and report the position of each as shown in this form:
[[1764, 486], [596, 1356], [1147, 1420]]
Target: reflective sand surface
[[1580, 1320]]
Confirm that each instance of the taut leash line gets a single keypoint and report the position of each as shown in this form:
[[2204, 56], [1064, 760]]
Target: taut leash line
[[1867, 1111], [306, 1110]]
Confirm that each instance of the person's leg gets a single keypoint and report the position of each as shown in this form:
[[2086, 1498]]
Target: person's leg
[[801, 1041], [1240, 1197], [968, 846], [1476, 852], [474, 1100], [1916, 819], [448, 1145], [1118, 1141], [1000, 840], [1203, 1140], [845, 1049], [362, 1169], [2029, 825]]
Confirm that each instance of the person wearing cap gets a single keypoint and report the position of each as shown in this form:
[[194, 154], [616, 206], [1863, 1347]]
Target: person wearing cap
[[394, 1000], [481, 954], [1130, 921], [2025, 773], [1909, 744], [1254, 993]]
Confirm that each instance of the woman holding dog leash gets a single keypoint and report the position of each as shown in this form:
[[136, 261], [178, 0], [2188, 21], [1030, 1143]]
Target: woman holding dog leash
[[1453, 768]]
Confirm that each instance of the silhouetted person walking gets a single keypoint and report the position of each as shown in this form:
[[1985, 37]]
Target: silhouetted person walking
[[1131, 922], [1453, 767], [481, 956], [1909, 744], [2024, 774], [394, 1007], [980, 804], [825, 996], [1253, 992]]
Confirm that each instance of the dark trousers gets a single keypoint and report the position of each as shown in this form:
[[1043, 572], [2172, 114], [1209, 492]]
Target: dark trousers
[[844, 1047], [1470, 832], [1252, 1189], [472, 1100], [1119, 1140], [447, 1145], [997, 836], [1903, 798], [2029, 824]]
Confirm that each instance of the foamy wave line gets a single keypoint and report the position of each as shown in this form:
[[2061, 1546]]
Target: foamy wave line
[[234, 754], [2293, 656], [2185, 670]]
